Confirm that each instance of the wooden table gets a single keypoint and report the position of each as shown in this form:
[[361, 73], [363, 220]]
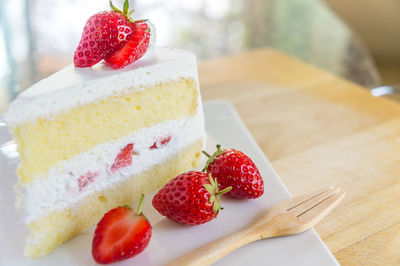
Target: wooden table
[[318, 129]]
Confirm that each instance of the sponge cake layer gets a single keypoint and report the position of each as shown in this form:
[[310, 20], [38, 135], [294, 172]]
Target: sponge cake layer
[[47, 142]]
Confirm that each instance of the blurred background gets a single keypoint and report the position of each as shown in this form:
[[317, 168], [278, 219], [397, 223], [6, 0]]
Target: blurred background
[[358, 39]]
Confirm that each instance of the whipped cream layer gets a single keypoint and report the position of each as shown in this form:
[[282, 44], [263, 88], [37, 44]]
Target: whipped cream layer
[[72, 87], [69, 181]]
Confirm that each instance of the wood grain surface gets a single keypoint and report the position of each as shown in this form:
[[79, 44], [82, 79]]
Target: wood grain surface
[[318, 129]]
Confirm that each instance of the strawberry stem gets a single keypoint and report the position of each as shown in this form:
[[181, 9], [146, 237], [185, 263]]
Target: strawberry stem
[[139, 209], [206, 154], [211, 158], [223, 191]]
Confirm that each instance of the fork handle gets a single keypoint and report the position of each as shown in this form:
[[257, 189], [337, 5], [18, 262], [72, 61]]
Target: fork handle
[[213, 251]]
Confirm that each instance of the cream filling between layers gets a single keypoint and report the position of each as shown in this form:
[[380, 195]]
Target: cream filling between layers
[[60, 187]]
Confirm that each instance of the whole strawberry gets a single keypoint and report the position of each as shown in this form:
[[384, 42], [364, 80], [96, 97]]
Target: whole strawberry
[[190, 198], [121, 234], [233, 168]]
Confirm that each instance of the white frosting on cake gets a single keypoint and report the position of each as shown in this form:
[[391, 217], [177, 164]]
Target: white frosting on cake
[[71, 87], [59, 188]]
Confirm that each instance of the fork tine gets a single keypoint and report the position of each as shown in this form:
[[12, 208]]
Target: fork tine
[[301, 208], [297, 201], [320, 210]]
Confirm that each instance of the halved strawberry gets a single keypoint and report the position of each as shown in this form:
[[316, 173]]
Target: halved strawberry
[[106, 36], [123, 159], [104, 33], [134, 48], [121, 234]]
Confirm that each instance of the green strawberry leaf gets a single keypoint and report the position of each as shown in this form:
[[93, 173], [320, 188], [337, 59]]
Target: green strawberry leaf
[[114, 8], [214, 191], [212, 198], [217, 206], [211, 158], [212, 181], [126, 7], [209, 188]]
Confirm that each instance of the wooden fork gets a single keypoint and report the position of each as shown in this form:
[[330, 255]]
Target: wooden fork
[[288, 217]]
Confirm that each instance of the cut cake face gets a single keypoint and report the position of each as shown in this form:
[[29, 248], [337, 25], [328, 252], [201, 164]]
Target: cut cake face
[[93, 139]]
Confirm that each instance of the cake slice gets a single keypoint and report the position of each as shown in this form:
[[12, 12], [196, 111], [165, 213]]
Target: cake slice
[[95, 138]]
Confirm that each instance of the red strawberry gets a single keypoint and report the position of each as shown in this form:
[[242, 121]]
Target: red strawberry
[[190, 198], [233, 168], [133, 49], [121, 234], [85, 179], [123, 159], [114, 36], [160, 142], [104, 33]]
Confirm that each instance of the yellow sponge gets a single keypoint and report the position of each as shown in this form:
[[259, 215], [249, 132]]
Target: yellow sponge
[[59, 226], [46, 142]]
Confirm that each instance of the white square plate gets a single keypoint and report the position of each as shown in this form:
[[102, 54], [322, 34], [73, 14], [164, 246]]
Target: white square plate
[[171, 240]]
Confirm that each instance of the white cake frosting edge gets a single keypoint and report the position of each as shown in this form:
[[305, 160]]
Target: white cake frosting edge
[[72, 87]]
